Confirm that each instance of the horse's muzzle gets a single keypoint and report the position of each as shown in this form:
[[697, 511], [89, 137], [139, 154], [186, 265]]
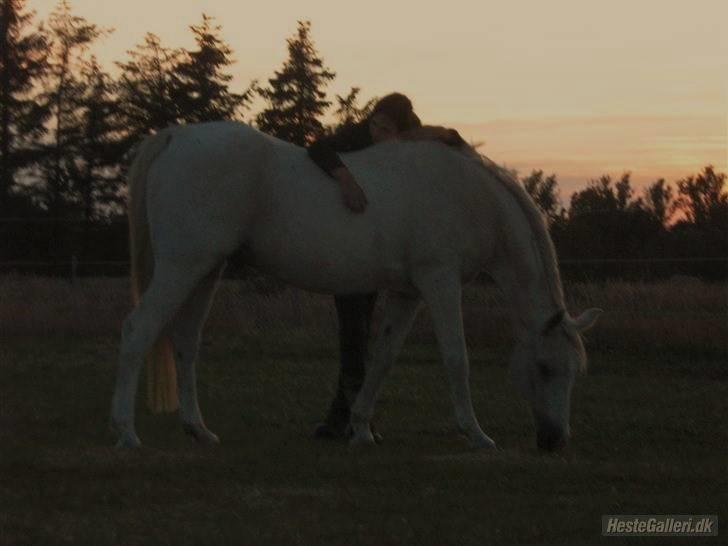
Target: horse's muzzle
[[549, 436]]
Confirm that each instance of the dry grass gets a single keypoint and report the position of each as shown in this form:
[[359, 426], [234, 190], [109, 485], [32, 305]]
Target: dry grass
[[664, 316]]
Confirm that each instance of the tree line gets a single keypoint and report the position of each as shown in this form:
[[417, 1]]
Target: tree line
[[67, 126]]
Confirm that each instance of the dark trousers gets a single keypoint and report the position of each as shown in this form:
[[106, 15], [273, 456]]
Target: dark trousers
[[355, 316]]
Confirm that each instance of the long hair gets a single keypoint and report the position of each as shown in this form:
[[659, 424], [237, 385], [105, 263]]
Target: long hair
[[399, 109]]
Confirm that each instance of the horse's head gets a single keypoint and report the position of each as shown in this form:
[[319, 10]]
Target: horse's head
[[543, 368]]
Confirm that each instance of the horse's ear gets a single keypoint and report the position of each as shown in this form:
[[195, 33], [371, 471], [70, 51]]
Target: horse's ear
[[586, 320]]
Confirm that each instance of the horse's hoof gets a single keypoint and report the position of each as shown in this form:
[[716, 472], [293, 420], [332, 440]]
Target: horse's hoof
[[208, 438], [482, 442], [362, 441], [128, 438], [129, 441], [201, 434], [363, 437]]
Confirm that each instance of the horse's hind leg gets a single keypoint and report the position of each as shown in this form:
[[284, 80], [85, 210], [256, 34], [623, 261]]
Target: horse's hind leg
[[442, 291], [168, 290], [186, 335], [399, 314]]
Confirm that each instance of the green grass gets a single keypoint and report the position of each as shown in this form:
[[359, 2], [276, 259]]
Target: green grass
[[649, 436]]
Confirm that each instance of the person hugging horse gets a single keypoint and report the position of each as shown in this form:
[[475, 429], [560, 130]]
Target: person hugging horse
[[392, 118]]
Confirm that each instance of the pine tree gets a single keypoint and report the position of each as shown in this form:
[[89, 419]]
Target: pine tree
[[101, 145], [71, 37], [23, 63], [349, 111], [296, 96], [147, 88], [202, 89]]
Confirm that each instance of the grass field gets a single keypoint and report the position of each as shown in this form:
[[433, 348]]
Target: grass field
[[648, 424]]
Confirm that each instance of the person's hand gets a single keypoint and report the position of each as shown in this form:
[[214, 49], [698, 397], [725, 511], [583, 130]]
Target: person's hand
[[452, 138], [352, 194], [354, 197], [432, 132]]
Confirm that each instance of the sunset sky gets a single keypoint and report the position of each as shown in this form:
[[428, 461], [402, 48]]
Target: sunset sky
[[576, 87]]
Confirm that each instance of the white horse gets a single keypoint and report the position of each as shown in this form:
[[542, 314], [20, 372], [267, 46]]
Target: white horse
[[436, 217]]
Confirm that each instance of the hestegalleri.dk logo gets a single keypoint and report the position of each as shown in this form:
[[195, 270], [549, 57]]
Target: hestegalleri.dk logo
[[663, 525]]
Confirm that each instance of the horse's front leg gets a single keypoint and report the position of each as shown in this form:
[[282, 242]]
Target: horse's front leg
[[442, 291], [399, 314]]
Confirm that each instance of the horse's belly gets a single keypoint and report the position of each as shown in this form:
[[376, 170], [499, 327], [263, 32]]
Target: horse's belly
[[350, 262], [306, 278]]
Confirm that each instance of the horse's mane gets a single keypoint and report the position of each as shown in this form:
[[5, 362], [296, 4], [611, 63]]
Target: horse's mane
[[534, 217]]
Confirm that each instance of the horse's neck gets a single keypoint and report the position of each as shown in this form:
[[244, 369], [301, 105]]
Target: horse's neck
[[525, 271]]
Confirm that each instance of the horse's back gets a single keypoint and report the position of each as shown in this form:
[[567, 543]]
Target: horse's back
[[207, 142], [221, 185], [199, 189], [437, 196]]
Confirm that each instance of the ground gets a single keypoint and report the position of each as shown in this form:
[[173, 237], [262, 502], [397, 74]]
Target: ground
[[649, 436]]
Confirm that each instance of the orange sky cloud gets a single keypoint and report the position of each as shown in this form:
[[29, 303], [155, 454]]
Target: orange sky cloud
[[578, 149]]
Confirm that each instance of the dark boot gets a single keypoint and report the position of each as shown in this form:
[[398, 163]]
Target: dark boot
[[355, 314], [336, 423]]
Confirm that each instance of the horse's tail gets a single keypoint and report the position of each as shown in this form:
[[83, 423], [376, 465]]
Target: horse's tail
[[161, 372]]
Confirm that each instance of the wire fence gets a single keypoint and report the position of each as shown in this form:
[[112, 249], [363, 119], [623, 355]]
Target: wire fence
[[73, 268], [105, 242]]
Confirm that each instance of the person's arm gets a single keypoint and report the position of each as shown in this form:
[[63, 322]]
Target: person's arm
[[431, 132], [324, 152]]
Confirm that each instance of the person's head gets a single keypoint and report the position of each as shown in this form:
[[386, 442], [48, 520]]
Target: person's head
[[390, 116]]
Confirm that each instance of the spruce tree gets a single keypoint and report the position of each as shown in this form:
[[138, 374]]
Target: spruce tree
[[296, 96], [23, 63], [70, 37], [349, 111], [147, 88], [202, 89], [101, 145]]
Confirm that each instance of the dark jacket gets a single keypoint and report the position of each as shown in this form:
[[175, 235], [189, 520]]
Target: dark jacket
[[350, 138], [356, 136]]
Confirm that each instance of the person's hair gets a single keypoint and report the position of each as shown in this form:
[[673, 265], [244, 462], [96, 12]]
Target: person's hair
[[398, 108]]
